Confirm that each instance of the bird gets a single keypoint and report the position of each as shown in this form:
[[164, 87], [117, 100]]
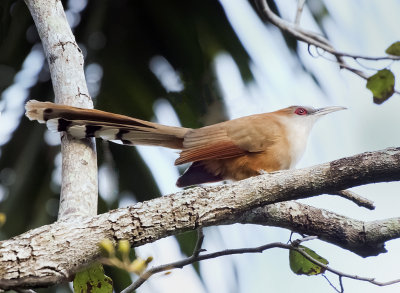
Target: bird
[[231, 150]]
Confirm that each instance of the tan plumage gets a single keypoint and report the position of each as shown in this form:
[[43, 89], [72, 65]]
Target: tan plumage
[[234, 149]]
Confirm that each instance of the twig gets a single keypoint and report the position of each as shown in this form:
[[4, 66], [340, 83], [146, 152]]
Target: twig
[[179, 264], [199, 243], [358, 200], [300, 6], [341, 274], [294, 246], [341, 284], [330, 283], [192, 259], [314, 39], [297, 242]]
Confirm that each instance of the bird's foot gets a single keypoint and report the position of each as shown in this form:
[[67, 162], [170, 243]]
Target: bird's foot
[[262, 172]]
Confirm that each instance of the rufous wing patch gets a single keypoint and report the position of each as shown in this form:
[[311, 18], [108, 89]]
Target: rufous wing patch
[[218, 150]]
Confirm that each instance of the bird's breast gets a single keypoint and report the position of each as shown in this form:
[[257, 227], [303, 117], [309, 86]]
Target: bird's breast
[[296, 137]]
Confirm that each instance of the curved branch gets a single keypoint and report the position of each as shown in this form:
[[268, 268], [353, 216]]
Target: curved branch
[[53, 253], [314, 39], [310, 37], [362, 238]]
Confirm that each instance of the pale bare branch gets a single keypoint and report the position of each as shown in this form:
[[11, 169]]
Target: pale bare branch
[[79, 164]]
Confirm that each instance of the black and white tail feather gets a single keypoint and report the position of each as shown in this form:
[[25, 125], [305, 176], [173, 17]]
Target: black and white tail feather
[[82, 123]]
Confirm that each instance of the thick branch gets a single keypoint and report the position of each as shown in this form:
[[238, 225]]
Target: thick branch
[[53, 253], [79, 164], [362, 238]]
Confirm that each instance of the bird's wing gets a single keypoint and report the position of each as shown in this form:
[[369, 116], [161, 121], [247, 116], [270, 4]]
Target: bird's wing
[[228, 139]]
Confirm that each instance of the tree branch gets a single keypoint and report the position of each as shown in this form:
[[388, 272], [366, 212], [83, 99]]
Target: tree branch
[[354, 235], [314, 39], [53, 253], [79, 163], [299, 11], [293, 246], [358, 200]]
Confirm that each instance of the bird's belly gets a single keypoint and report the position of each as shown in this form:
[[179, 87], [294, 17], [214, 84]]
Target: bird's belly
[[252, 164]]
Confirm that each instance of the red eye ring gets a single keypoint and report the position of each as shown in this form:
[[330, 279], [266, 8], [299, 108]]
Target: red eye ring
[[301, 111]]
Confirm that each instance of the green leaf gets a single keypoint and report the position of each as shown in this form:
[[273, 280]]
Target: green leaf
[[92, 280], [302, 266], [3, 218], [381, 85], [394, 49]]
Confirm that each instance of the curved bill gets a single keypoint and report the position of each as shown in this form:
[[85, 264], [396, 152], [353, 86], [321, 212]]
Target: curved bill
[[327, 110]]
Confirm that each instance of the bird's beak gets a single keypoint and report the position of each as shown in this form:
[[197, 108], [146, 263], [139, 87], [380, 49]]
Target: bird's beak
[[327, 110]]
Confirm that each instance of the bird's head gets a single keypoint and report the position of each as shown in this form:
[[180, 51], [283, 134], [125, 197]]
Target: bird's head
[[307, 113], [310, 111], [305, 117]]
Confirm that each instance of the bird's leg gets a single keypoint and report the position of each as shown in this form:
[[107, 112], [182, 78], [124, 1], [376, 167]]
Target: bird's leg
[[262, 172]]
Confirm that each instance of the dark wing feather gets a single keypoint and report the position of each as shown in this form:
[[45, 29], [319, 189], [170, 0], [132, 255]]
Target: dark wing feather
[[197, 174]]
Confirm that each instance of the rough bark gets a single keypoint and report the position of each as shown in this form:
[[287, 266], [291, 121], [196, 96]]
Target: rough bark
[[362, 238], [79, 164], [53, 253]]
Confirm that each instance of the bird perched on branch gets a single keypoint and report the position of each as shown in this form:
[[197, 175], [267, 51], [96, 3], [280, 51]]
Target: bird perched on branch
[[235, 149]]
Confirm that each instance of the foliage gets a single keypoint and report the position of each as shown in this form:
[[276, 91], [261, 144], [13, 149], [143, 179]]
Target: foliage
[[381, 85], [300, 265], [394, 49], [120, 258], [92, 280]]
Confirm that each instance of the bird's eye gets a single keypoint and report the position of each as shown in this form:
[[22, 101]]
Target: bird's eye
[[300, 111]]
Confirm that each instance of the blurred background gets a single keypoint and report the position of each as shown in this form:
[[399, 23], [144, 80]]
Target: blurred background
[[195, 63]]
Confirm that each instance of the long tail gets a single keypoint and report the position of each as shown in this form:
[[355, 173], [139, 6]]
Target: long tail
[[82, 123]]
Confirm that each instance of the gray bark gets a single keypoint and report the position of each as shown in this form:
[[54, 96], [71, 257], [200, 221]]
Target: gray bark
[[79, 164]]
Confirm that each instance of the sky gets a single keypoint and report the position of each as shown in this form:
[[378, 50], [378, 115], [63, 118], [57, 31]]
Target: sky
[[362, 27]]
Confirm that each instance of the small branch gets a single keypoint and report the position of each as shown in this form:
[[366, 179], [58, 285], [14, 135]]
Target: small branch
[[300, 6], [314, 39], [200, 238], [341, 284], [297, 242], [342, 274], [311, 38], [192, 259], [294, 246], [178, 264], [358, 200], [330, 283]]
